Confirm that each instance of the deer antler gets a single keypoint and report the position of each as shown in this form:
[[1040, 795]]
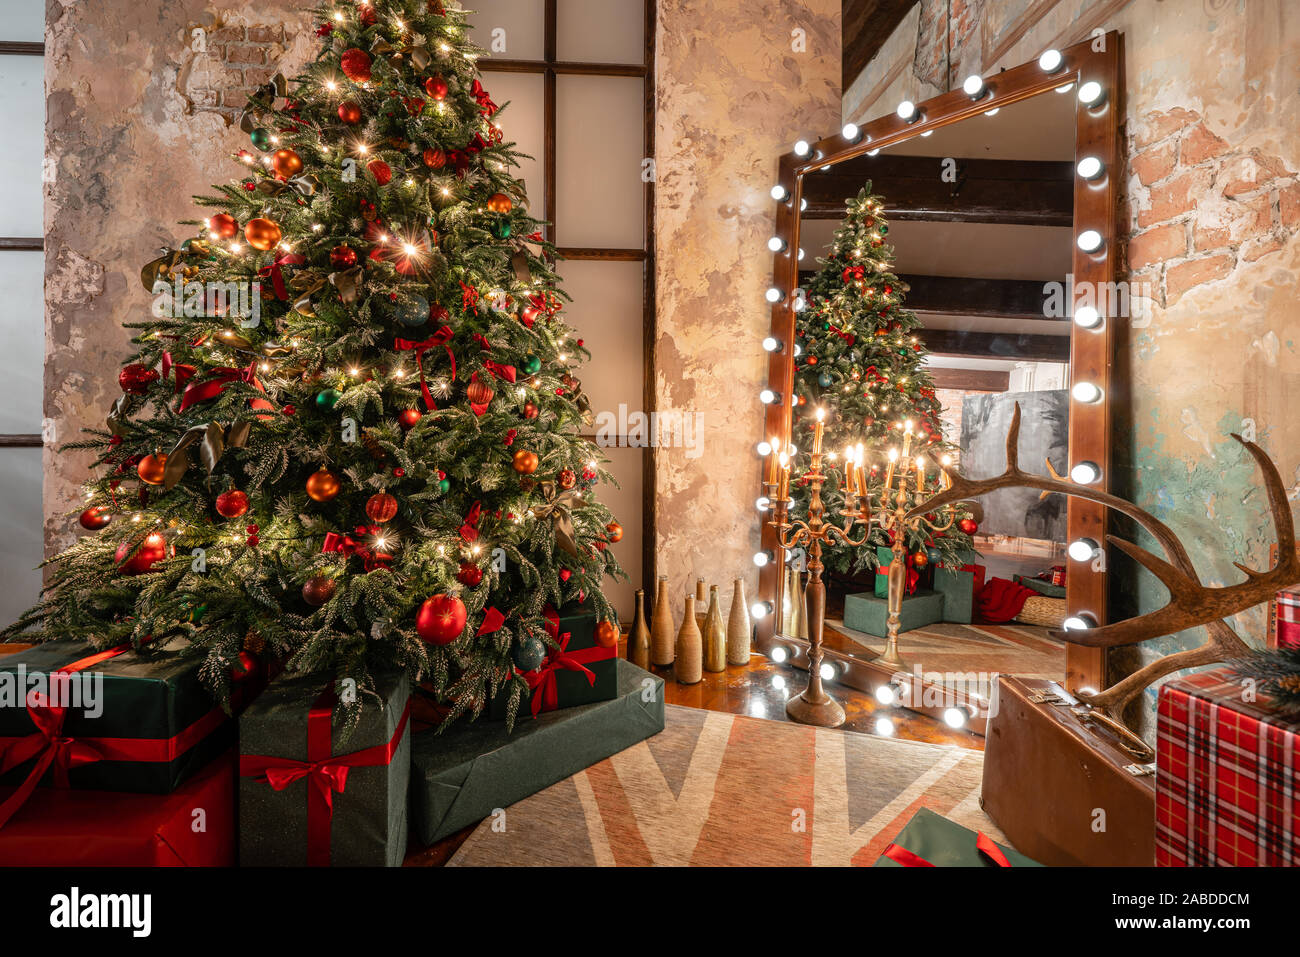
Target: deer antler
[[1191, 603]]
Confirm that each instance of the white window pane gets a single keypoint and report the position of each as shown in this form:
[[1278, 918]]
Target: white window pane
[[20, 524], [625, 503], [23, 80], [601, 31], [524, 125], [22, 341], [508, 29], [24, 21], [600, 136], [607, 313]]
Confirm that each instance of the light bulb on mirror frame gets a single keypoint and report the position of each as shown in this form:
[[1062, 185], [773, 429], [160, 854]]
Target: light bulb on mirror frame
[[1051, 61], [1082, 549], [780, 193], [773, 344], [1091, 94], [1086, 317], [777, 245], [1085, 473]]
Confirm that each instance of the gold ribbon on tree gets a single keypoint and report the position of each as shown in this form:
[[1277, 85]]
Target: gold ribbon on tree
[[160, 269], [306, 184], [213, 439], [348, 283], [260, 101], [558, 510], [116, 419]]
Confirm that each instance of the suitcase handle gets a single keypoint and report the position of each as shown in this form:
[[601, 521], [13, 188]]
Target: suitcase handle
[[1129, 741]]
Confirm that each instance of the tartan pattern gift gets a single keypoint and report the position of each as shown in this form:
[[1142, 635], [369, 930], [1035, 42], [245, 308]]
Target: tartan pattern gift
[[1288, 619], [1227, 783]]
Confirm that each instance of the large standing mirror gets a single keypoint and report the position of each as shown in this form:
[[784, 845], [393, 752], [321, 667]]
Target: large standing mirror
[[983, 221]]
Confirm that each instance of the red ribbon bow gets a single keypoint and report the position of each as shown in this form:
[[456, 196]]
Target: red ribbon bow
[[347, 545], [51, 749], [222, 376], [326, 772], [499, 370], [852, 272], [485, 104], [983, 843], [439, 338], [273, 272], [541, 682]]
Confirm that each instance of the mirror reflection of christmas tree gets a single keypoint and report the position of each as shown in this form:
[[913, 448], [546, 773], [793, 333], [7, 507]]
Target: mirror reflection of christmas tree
[[860, 359]]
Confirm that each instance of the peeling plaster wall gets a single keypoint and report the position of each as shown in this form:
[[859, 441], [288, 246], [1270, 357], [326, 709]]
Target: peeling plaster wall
[[734, 92], [1211, 215], [136, 124]]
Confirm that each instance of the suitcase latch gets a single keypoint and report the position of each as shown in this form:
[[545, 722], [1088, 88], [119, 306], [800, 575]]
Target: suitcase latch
[[1047, 697], [1140, 770]]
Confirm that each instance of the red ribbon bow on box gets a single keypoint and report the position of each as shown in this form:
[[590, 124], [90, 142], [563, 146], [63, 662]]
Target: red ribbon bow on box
[[983, 843], [54, 750], [541, 682], [439, 338], [326, 772]]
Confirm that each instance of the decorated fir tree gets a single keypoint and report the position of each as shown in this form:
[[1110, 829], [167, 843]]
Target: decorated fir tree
[[348, 436], [860, 359]]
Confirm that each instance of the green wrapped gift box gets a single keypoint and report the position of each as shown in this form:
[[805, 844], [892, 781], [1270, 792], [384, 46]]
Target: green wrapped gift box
[[580, 671], [315, 791], [931, 840], [123, 720], [462, 775]]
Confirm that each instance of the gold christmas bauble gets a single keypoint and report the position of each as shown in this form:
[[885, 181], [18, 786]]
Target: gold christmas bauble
[[286, 163], [525, 462], [151, 468], [323, 486], [500, 203], [262, 234]]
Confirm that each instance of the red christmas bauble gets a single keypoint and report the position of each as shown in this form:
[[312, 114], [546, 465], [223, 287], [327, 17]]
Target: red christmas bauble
[[409, 417], [968, 525], [607, 634], [439, 313], [350, 112], [243, 668], [440, 619], [381, 171], [151, 552], [136, 378], [224, 225], [469, 574], [435, 158], [530, 410], [381, 507], [151, 469], [436, 87], [355, 65], [529, 315], [479, 393], [920, 560], [318, 589], [95, 518], [615, 531], [343, 257], [567, 478], [232, 504]]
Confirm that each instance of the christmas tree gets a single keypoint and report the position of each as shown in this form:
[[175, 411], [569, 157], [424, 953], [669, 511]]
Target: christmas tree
[[860, 359], [348, 436]]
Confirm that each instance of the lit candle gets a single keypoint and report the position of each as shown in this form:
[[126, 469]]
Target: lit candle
[[817, 432], [889, 475], [783, 490], [920, 473], [848, 469], [772, 465]]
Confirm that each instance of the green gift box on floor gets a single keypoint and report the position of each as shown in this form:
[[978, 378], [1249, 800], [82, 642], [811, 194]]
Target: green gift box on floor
[[462, 775], [930, 839], [138, 721], [580, 671], [871, 614], [314, 792]]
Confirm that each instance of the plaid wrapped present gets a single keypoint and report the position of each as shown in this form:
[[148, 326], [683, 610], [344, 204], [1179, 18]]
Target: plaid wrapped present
[[1227, 784], [1288, 619]]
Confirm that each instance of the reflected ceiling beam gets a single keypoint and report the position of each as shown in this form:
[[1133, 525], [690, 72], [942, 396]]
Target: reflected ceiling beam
[[1016, 192], [996, 345], [971, 380], [866, 25], [960, 296]]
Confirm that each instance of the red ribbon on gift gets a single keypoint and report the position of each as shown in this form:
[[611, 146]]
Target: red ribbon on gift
[[57, 752], [439, 338], [327, 773], [274, 273], [983, 843], [913, 576], [221, 377], [541, 682]]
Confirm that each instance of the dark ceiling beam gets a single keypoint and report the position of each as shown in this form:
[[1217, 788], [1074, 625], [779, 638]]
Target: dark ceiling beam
[[1017, 192], [995, 345], [866, 25], [959, 296], [970, 380]]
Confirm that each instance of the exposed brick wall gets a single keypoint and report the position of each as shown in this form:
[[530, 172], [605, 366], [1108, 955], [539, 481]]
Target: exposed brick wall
[[237, 59], [1196, 206]]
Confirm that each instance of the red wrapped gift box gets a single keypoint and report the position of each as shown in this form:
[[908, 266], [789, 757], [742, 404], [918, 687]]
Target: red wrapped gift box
[[68, 828], [1227, 785], [1288, 619]]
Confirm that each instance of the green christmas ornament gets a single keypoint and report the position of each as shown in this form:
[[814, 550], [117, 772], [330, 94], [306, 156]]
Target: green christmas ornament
[[328, 398], [260, 138], [532, 364], [444, 486], [501, 229]]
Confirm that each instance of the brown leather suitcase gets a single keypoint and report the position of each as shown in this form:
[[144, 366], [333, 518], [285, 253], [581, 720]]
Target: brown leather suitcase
[[1066, 790]]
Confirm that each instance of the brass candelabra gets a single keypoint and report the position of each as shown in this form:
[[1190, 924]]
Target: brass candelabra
[[814, 705]]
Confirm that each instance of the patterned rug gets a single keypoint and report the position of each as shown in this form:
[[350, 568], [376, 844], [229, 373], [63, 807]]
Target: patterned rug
[[1025, 650], [720, 789]]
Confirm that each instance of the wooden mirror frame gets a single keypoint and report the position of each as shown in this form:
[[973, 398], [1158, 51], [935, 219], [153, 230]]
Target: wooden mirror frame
[[1091, 350]]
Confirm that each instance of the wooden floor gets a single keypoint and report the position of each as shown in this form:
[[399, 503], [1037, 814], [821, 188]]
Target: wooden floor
[[760, 690]]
